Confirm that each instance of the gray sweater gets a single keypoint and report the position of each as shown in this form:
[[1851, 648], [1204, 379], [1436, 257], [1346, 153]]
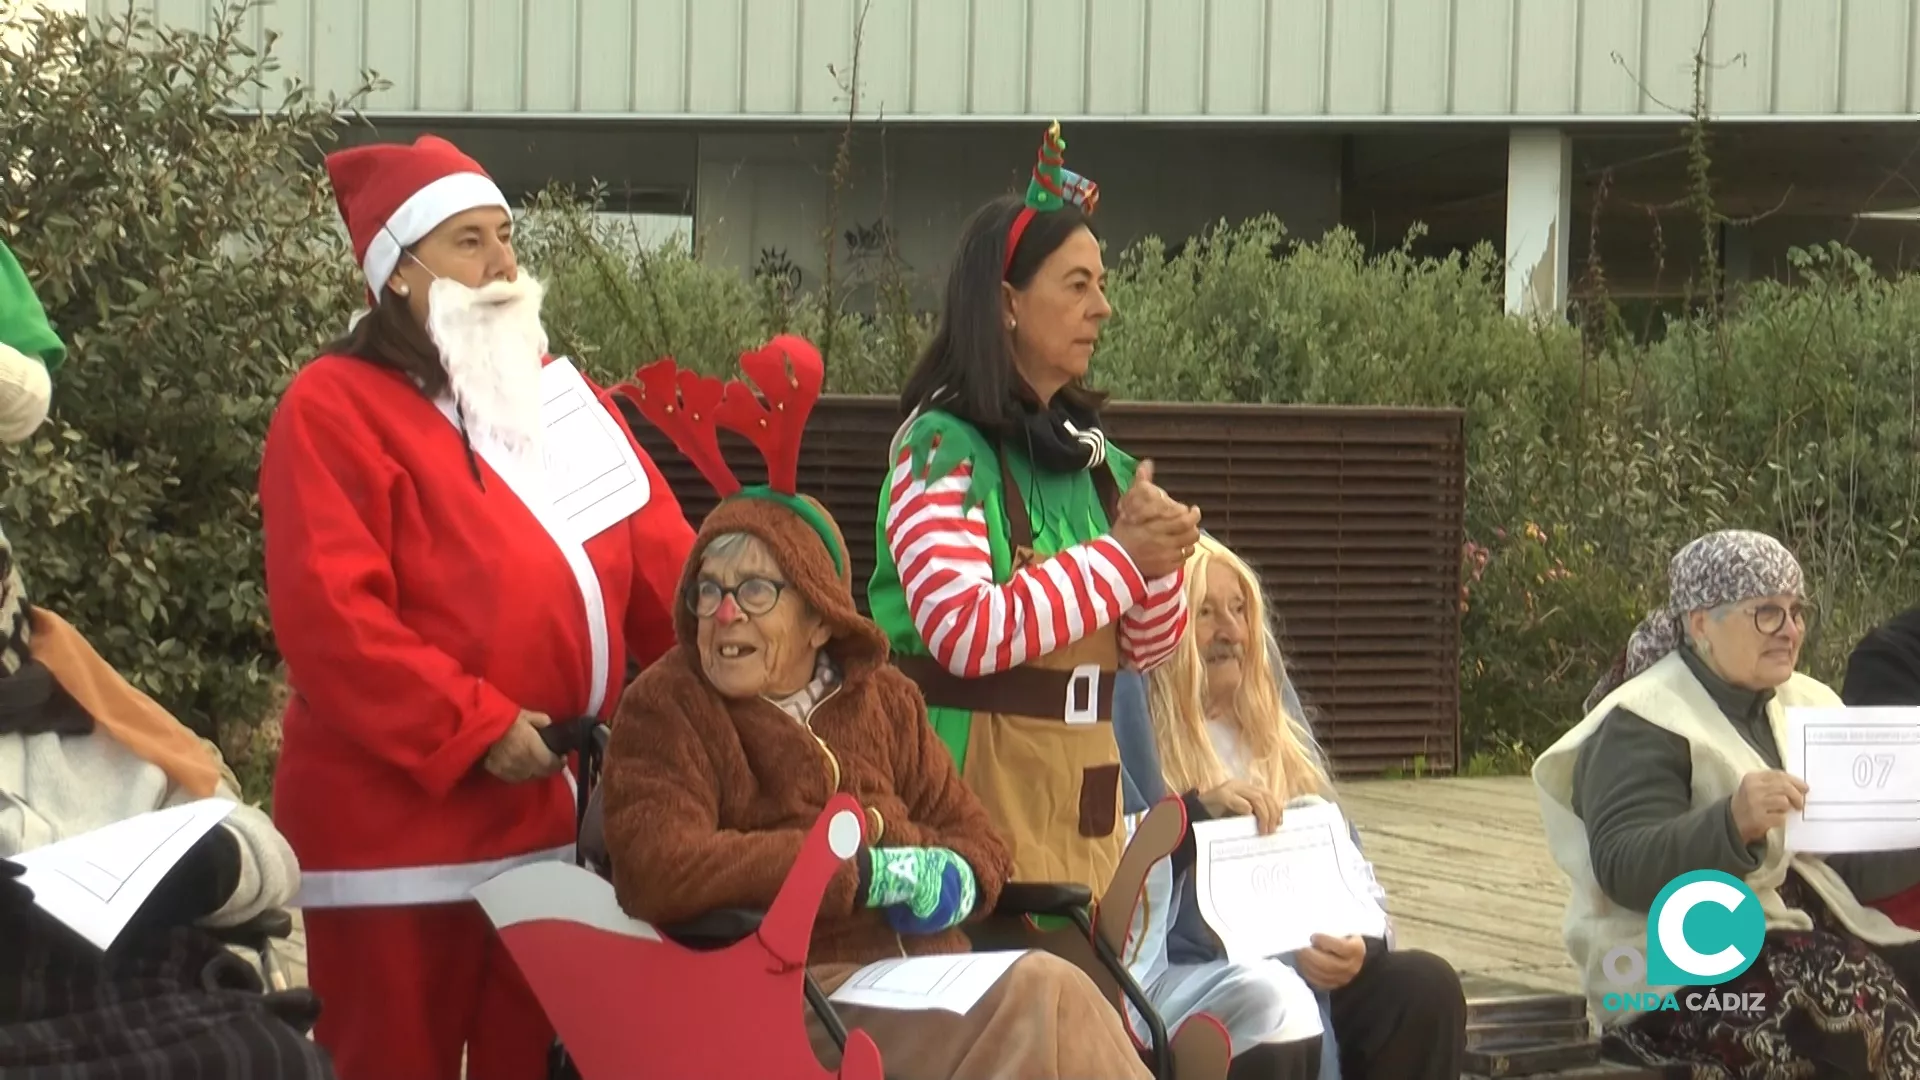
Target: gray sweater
[[1632, 786]]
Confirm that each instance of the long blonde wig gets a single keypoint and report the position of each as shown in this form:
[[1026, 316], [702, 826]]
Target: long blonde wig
[[1281, 754]]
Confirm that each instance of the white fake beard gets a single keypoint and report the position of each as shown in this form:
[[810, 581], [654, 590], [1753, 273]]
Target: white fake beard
[[491, 343]]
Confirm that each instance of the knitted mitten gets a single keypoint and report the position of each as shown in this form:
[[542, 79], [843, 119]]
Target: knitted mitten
[[924, 890]]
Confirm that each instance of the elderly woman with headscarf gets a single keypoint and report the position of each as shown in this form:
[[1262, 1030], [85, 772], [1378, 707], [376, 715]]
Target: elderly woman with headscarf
[[1677, 768]]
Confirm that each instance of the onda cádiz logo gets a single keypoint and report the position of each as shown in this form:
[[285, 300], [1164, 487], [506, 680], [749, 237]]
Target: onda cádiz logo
[[1705, 928]]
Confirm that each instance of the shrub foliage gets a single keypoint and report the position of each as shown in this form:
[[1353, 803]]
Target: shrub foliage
[[191, 260], [1789, 407]]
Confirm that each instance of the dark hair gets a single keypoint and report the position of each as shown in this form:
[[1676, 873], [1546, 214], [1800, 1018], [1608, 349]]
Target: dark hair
[[390, 337], [969, 361]]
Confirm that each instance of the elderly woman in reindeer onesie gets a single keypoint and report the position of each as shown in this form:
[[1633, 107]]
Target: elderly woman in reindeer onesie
[[1677, 768], [1022, 558]]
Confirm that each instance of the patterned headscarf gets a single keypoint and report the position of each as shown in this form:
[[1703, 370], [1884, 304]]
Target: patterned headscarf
[[1718, 568]]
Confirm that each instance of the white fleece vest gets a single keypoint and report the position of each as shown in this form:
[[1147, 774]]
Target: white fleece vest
[[55, 787], [1669, 696]]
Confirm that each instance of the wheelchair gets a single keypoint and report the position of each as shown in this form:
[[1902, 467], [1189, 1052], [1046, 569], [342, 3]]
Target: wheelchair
[[1096, 942], [298, 1007]]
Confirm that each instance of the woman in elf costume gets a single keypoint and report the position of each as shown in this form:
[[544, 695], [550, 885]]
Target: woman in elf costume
[[1022, 558]]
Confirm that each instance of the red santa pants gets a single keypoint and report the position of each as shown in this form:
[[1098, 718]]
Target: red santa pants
[[403, 990]]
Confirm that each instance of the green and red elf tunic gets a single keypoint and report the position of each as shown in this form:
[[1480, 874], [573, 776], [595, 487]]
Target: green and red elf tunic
[[1018, 627], [1007, 601]]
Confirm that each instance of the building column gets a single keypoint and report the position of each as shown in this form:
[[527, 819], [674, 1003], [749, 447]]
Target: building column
[[1736, 251], [1539, 212]]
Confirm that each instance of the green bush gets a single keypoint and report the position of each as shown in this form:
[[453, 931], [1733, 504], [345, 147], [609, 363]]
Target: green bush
[[190, 261], [1590, 462], [613, 306]]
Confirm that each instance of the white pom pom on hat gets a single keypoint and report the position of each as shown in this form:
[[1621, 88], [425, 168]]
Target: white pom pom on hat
[[25, 393]]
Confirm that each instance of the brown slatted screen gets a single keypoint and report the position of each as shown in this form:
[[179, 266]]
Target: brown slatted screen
[[1354, 518]]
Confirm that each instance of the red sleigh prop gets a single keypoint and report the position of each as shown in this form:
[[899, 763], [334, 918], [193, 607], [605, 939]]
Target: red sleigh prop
[[627, 1002]]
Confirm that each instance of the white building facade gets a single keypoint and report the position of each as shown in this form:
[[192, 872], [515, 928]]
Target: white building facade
[[1517, 122]]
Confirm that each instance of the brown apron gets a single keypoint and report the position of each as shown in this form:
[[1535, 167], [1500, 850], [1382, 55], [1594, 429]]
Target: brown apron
[[1041, 754]]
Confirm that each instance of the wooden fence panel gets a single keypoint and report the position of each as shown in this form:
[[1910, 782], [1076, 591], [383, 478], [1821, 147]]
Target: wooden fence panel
[[1353, 517]]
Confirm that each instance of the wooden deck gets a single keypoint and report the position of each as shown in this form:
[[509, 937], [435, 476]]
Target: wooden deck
[[1467, 874]]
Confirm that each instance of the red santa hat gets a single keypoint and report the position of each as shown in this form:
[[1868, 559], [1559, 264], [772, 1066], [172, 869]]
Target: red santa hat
[[391, 196]]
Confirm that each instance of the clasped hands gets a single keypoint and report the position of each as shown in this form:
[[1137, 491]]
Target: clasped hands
[[1157, 532], [1330, 962]]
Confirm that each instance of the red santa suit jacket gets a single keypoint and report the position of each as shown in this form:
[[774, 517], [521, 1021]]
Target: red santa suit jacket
[[418, 611]]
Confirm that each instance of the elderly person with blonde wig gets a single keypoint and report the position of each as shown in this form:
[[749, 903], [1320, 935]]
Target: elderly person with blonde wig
[[1229, 742], [1677, 768]]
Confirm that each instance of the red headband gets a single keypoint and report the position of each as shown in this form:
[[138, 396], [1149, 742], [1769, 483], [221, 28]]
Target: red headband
[[1020, 222]]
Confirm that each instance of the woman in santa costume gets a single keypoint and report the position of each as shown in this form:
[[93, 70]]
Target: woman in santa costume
[[464, 545]]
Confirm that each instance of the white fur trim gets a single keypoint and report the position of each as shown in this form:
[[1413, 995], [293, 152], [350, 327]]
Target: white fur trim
[[25, 392], [529, 490], [405, 886], [423, 213]]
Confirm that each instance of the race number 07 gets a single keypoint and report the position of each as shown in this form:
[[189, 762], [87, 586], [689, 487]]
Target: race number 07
[[1872, 770]]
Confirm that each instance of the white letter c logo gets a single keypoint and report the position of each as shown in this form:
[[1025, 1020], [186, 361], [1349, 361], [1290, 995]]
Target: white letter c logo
[[1673, 921]]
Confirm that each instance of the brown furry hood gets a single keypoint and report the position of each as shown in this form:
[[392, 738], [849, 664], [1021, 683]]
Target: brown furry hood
[[858, 643]]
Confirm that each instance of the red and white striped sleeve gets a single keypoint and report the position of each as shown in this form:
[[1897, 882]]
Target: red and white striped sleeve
[[1150, 632], [971, 625]]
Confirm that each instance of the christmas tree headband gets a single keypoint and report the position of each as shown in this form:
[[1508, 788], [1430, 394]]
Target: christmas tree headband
[[690, 409], [1052, 187]]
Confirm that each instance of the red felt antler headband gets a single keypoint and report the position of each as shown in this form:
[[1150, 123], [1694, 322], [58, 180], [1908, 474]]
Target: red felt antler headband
[[683, 406], [691, 409]]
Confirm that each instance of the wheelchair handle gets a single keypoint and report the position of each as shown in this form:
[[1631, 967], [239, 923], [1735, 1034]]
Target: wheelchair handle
[[568, 736]]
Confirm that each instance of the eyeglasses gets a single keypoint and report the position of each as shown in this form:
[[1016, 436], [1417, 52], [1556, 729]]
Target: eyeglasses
[[756, 596], [1772, 618]]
